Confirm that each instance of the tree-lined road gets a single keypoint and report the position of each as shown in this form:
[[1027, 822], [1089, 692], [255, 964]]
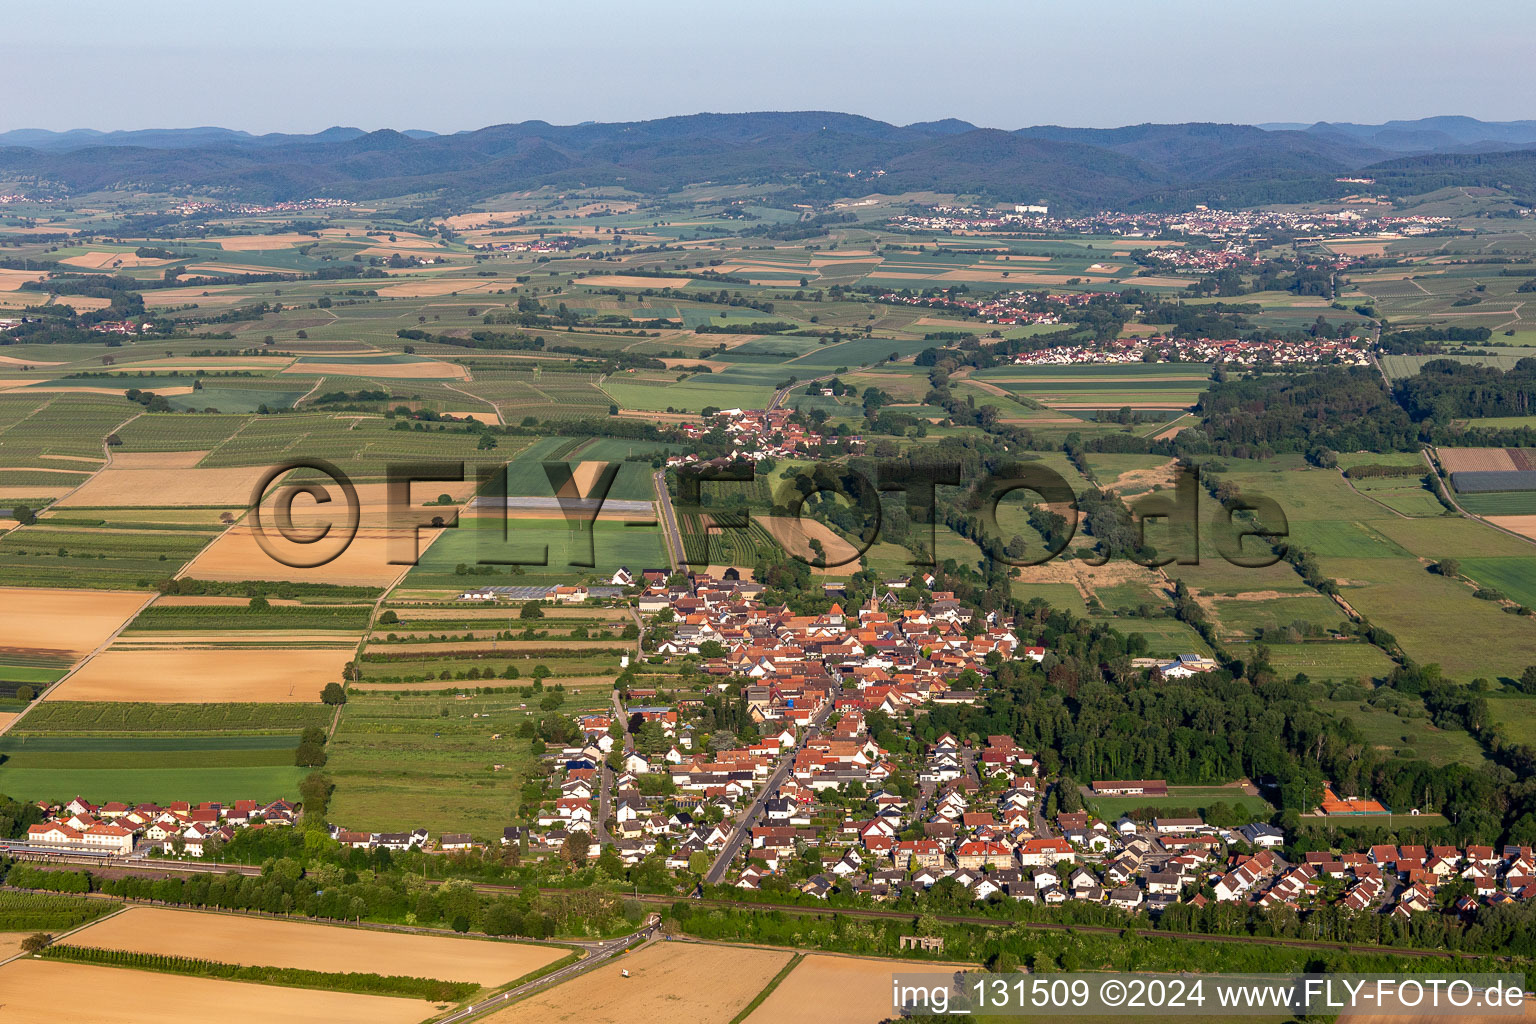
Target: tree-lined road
[[749, 819]]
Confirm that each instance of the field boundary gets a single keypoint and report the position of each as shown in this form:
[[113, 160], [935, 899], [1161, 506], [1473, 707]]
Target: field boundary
[[768, 989]]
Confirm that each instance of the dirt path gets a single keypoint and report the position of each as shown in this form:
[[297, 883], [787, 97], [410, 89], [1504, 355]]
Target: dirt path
[[107, 449], [475, 398], [1367, 497]]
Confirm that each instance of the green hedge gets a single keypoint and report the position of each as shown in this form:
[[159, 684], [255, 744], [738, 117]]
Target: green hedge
[[290, 977]]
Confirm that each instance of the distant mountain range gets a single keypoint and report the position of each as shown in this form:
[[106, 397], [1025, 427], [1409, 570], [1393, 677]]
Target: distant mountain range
[[1426, 135], [820, 153]]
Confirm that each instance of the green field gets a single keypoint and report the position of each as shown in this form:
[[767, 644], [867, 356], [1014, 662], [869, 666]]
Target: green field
[[531, 541], [47, 555], [403, 761], [156, 785], [1515, 714], [85, 718], [1499, 503], [1411, 737], [1323, 660]]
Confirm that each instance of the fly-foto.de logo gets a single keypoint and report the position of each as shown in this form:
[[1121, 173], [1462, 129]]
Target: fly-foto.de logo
[[306, 513]]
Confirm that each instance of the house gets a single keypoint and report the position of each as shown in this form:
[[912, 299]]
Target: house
[[1039, 853], [402, 841], [454, 841], [920, 853], [1177, 826], [1262, 836], [977, 854], [1127, 897]]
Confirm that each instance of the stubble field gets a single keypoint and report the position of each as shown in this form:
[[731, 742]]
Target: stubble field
[[316, 947], [671, 981], [107, 995]]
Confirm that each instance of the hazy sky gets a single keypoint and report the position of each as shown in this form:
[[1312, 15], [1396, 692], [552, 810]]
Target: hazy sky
[[447, 65]]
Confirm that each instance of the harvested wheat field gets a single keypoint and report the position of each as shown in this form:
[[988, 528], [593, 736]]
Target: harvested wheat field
[[82, 303], [12, 280], [372, 501], [160, 480], [97, 260], [10, 942], [1527, 1013], [461, 221], [316, 947], [237, 555], [491, 418], [427, 369], [622, 281], [835, 990], [1364, 247], [668, 981], [53, 386], [1088, 579], [258, 243], [266, 676], [31, 996], [224, 639], [796, 535], [214, 295], [1476, 460], [62, 624], [1525, 526]]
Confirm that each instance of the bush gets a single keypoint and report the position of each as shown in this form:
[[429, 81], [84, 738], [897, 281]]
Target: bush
[[309, 755]]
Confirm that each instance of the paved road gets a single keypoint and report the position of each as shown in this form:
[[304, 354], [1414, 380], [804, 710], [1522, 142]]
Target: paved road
[[1450, 495], [674, 537], [599, 953], [604, 804], [780, 395], [744, 825], [605, 775]]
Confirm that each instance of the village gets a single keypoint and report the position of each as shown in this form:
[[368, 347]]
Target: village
[[758, 434], [816, 806], [1158, 349], [1201, 220]]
